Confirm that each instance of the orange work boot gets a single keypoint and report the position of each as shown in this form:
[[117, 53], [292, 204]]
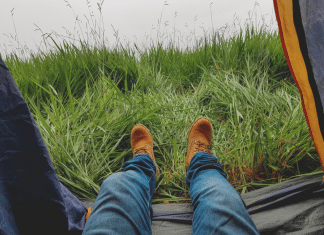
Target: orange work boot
[[199, 138], [142, 142]]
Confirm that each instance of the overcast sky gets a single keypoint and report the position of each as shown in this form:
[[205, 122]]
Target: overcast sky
[[134, 20]]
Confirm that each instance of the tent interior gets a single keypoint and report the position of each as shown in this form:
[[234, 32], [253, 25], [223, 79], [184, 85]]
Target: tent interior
[[295, 206]]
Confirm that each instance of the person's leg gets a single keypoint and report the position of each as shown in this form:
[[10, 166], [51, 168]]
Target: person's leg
[[124, 202], [217, 206]]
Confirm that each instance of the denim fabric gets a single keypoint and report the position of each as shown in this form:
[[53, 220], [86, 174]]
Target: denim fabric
[[124, 203], [217, 206]]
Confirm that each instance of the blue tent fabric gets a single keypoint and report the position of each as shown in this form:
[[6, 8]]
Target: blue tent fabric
[[312, 16], [32, 199]]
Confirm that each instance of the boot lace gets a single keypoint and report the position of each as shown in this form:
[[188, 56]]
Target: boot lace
[[141, 150], [201, 147]]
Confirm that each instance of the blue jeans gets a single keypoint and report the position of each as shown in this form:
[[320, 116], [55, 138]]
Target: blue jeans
[[124, 202]]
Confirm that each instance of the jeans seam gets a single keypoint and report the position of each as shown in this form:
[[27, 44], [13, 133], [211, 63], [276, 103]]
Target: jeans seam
[[149, 189], [150, 180]]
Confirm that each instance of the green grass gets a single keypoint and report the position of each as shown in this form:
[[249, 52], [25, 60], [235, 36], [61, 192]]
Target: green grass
[[86, 100]]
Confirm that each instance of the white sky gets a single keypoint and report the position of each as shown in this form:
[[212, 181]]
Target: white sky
[[134, 20]]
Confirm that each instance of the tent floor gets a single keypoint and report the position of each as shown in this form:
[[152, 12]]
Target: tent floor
[[295, 206]]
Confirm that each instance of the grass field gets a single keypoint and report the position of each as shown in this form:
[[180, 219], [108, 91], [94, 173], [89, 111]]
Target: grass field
[[86, 99]]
